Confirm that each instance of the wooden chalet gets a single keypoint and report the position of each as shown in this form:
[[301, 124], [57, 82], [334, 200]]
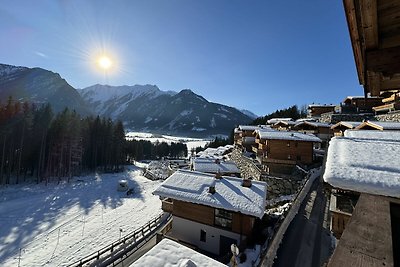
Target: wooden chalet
[[315, 110], [280, 151], [212, 212], [243, 136], [285, 125], [321, 130], [360, 104], [339, 128], [379, 125], [374, 28]]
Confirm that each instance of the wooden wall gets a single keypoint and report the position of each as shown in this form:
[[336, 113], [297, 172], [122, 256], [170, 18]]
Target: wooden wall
[[279, 149], [203, 214]]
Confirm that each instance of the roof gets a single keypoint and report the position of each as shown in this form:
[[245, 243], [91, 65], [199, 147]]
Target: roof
[[171, 253], [380, 125], [320, 106], [247, 127], [370, 165], [230, 194], [275, 120], [211, 166], [361, 97], [374, 134], [313, 124], [285, 123], [374, 30], [348, 124], [295, 136]]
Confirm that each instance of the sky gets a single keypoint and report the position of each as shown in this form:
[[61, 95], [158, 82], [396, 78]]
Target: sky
[[259, 55]]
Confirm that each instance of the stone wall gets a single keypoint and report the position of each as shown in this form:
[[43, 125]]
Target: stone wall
[[334, 118], [393, 116], [277, 186]]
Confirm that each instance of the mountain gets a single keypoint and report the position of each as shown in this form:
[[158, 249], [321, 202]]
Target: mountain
[[249, 113], [147, 108], [39, 86]]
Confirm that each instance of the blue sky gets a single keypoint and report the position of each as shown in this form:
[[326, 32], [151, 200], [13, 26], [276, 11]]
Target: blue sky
[[260, 55]]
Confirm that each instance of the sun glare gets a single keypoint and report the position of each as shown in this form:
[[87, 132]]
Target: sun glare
[[104, 62]]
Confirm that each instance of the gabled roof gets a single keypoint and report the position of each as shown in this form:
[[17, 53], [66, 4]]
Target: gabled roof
[[229, 193], [313, 124], [364, 165], [286, 123], [247, 127], [347, 124], [212, 166], [275, 120], [380, 125], [290, 136], [171, 253]]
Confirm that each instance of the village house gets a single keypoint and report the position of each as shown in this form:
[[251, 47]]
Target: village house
[[280, 151], [215, 166], [275, 120], [212, 212], [388, 104], [319, 129], [284, 125], [243, 136], [340, 127], [315, 110], [359, 104]]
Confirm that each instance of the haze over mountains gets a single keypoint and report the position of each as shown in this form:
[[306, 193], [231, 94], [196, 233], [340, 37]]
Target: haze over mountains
[[140, 107]]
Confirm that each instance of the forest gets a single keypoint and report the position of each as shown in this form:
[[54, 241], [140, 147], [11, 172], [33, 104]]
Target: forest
[[37, 144], [293, 112]]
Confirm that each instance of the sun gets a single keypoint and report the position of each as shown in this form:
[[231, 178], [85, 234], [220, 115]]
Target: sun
[[104, 62]]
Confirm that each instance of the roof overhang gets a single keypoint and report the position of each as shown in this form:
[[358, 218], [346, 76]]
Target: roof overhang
[[375, 37]]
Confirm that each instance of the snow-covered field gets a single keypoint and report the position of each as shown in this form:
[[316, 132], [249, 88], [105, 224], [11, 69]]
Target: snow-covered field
[[190, 142], [56, 225]]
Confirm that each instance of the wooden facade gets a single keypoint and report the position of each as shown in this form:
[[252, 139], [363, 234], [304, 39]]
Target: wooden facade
[[241, 223], [317, 110], [359, 104]]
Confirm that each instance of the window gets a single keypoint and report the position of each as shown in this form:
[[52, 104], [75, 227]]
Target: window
[[203, 236], [223, 218]]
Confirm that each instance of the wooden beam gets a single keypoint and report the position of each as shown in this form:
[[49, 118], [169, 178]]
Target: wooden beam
[[390, 84], [373, 83], [384, 60], [369, 20], [350, 11]]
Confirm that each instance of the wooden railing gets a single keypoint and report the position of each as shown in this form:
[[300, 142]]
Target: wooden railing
[[96, 258]]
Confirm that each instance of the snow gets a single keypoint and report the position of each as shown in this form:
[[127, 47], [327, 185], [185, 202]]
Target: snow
[[364, 165], [230, 194], [313, 124], [190, 142], [148, 119], [373, 134], [215, 153], [275, 120], [199, 129], [213, 124], [283, 198], [282, 135], [247, 127], [169, 253], [186, 112], [56, 225], [211, 166]]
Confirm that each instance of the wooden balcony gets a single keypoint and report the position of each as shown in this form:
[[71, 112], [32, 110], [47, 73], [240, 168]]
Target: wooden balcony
[[339, 222], [167, 205], [387, 107]]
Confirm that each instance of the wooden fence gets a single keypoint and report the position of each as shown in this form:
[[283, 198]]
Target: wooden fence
[[118, 249]]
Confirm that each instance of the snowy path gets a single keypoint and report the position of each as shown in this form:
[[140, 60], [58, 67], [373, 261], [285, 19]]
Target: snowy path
[[59, 224]]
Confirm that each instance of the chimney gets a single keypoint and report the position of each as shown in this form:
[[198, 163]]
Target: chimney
[[218, 175], [246, 182], [217, 161], [211, 189]]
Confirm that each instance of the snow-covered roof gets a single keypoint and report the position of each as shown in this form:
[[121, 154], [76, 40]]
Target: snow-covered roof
[[294, 136], [374, 134], [361, 97], [364, 165], [275, 120], [211, 166], [380, 125], [320, 106], [236, 130], [285, 123], [348, 124], [171, 253], [229, 193], [313, 124], [247, 127]]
